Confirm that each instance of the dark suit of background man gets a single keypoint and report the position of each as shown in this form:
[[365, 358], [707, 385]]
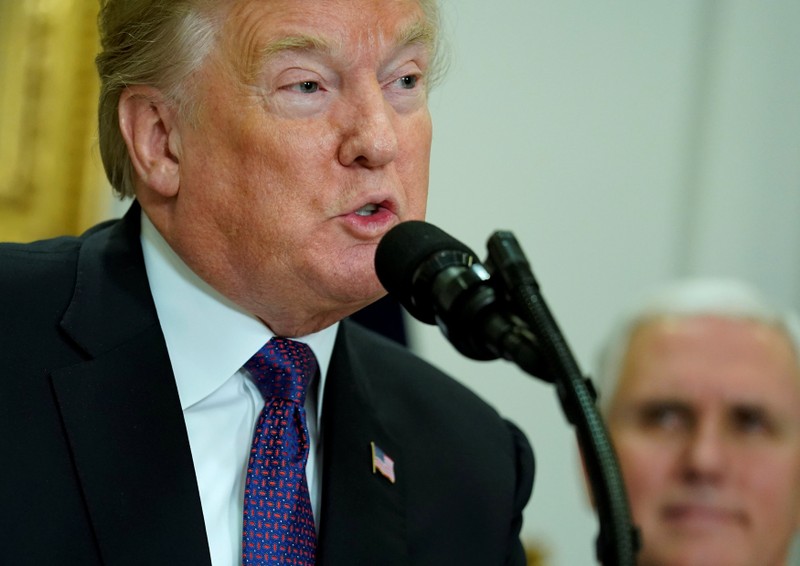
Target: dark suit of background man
[[269, 146]]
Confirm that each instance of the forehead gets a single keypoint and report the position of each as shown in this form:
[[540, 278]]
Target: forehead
[[711, 359], [254, 29]]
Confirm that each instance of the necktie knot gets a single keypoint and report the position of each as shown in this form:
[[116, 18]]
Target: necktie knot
[[283, 368]]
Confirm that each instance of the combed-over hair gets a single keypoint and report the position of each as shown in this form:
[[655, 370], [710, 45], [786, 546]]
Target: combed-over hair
[[161, 43]]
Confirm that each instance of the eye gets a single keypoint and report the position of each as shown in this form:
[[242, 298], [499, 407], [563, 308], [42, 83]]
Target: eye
[[306, 87], [408, 82], [405, 90], [751, 420], [664, 417]]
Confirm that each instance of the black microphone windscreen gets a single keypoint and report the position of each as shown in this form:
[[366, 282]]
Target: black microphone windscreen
[[404, 248]]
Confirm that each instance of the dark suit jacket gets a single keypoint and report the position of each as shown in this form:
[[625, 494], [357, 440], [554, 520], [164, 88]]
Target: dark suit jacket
[[97, 467]]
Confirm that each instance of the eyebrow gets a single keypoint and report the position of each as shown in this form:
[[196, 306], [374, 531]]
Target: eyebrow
[[418, 33], [651, 406], [293, 43]]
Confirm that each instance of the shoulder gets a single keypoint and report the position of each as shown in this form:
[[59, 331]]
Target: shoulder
[[40, 271], [53, 254], [42, 254], [38, 282]]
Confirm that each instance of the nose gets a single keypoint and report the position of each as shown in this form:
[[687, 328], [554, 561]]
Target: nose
[[705, 453], [370, 138]]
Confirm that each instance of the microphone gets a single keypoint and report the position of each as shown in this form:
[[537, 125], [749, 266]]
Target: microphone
[[440, 280]]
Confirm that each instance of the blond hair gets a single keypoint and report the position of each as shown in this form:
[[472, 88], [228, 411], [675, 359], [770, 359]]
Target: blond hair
[[161, 43]]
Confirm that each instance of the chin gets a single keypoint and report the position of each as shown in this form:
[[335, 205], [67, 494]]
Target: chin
[[355, 293], [699, 554], [370, 297]]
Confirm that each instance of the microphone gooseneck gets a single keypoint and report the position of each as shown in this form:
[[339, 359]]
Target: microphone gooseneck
[[497, 310]]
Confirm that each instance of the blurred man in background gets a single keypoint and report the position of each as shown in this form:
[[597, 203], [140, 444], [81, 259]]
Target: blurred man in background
[[700, 388]]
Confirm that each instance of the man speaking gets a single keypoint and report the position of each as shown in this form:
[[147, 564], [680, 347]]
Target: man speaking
[[181, 386]]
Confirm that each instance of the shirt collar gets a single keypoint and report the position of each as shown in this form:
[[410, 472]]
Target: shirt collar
[[208, 337]]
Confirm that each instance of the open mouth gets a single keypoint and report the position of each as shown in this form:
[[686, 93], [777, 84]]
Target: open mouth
[[368, 210]]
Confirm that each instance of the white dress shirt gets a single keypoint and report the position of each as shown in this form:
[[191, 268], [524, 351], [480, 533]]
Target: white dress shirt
[[209, 339]]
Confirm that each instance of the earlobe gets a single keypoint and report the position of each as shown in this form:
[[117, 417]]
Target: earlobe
[[148, 127]]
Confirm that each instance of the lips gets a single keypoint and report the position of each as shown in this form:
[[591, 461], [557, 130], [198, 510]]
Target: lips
[[371, 219], [701, 516], [375, 205], [373, 209]]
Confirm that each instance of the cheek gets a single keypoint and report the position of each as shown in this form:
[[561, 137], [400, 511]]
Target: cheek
[[645, 469], [773, 500], [281, 181], [414, 138], [772, 483], [414, 175]]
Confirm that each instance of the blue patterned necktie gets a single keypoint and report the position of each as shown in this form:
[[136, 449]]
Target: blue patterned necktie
[[278, 525]]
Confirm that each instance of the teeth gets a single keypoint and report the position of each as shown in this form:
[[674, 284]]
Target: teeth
[[367, 210]]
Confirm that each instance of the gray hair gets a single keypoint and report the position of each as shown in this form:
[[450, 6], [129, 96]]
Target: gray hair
[[726, 298], [161, 43]]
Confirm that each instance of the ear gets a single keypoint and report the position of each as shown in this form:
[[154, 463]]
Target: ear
[[148, 126]]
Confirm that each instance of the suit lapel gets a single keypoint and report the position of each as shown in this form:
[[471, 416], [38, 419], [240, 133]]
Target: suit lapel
[[363, 518], [122, 414]]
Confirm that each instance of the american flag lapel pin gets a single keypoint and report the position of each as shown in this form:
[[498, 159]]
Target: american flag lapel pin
[[382, 463]]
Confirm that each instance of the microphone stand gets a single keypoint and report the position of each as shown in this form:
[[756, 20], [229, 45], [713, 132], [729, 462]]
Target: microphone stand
[[617, 541]]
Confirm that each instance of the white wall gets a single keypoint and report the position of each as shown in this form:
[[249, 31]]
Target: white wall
[[624, 143]]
